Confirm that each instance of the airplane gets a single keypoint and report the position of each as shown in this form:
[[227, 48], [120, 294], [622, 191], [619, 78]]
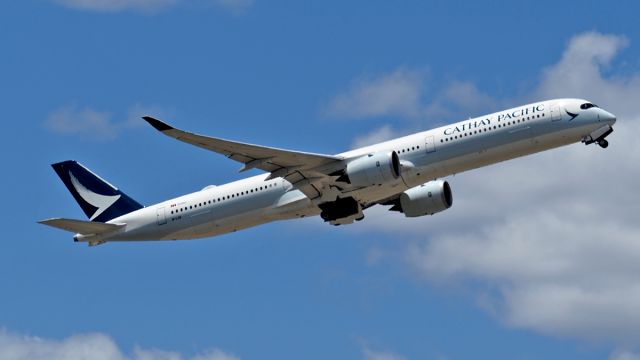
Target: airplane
[[406, 174]]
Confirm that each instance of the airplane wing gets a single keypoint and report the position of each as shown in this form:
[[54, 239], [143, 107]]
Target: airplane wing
[[302, 169]]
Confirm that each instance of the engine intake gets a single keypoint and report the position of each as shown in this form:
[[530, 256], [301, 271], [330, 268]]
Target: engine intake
[[372, 169], [426, 199]]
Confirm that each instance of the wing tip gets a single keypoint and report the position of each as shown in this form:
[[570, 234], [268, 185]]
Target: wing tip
[[45, 221], [157, 124]]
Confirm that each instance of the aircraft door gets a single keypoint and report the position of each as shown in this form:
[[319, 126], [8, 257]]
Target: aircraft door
[[161, 216], [430, 144]]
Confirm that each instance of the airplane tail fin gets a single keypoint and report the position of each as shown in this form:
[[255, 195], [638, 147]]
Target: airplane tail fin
[[99, 200]]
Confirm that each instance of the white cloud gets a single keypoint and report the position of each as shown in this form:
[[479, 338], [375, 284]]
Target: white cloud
[[624, 355], [397, 93], [378, 135], [214, 354], [459, 97], [95, 124], [93, 346], [553, 238], [579, 72], [380, 355], [144, 6], [81, 121], [150, 6], [402, 93]]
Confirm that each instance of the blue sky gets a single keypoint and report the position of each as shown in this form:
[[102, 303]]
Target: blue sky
[[536, 259]]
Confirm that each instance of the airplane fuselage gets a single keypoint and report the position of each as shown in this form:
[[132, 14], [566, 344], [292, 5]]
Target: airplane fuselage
[[424, 156]]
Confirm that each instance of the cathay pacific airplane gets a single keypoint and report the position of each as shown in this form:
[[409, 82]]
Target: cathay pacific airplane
[[404, 174]]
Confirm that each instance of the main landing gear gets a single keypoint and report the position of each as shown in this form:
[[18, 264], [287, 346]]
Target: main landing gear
[[598, 137], [342, 211]]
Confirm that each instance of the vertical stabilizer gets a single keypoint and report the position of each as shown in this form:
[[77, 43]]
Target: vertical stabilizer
[[99, 200]]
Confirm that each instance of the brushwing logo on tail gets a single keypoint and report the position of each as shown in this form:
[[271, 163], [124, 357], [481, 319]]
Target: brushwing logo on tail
[[101, 202]]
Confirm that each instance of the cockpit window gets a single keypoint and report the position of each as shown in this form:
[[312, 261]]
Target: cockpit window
[[586, 106]]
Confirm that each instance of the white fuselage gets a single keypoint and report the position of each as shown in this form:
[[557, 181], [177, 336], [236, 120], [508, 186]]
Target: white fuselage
[[432, 154]]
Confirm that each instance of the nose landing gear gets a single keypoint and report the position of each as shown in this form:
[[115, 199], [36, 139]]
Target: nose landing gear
[[598, 137]]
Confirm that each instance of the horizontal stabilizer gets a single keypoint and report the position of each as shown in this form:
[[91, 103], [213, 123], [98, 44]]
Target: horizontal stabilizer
[[81, 227]]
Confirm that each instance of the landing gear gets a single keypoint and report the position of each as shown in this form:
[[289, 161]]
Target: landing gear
[[598, 136], [342, 211]]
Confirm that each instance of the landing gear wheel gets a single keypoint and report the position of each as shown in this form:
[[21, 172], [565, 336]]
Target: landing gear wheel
[[603, 143]]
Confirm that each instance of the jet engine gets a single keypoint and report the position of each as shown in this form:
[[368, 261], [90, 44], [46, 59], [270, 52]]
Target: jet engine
[[372, 169], [426, 199]]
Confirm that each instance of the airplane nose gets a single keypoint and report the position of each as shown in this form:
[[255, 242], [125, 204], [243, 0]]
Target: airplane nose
[[607, 117]]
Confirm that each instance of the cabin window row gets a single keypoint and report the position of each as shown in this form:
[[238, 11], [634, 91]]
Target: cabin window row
[[413, 148], [222, 198], [489, 128]]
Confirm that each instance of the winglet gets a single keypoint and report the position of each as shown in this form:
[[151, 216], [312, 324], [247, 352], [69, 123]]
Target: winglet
[[157, 124]]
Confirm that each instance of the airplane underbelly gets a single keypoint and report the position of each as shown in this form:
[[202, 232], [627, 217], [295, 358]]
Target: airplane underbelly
[[229, 224]]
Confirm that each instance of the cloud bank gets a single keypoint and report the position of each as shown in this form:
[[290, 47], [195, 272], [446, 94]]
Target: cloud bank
[[93, 346]]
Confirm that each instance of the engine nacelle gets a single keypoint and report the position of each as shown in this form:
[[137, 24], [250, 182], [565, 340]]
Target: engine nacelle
[[426, 199], [373, 169]]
